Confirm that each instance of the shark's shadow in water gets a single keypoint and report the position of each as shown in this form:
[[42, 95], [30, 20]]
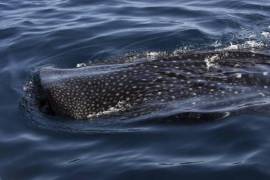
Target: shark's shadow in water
[[188, 84]]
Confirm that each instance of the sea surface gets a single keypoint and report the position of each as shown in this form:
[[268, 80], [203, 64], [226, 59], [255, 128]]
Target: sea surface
[[67, 33]]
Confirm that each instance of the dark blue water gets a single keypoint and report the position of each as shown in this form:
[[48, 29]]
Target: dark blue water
[[34, 33]]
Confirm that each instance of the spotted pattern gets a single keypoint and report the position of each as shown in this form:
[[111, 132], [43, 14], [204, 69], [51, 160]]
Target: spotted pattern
[[81, 92]]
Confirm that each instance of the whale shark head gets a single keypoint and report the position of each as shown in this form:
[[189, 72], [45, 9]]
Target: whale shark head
[[61, 91], [89, 91]]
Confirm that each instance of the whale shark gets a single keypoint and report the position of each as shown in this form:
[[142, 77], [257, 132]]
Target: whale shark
[[201, 79]]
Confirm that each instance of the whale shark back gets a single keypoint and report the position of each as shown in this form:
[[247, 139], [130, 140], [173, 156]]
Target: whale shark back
[[198, 78]]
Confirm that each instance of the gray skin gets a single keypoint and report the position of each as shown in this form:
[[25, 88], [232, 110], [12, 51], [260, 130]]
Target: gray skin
[[81, 92]]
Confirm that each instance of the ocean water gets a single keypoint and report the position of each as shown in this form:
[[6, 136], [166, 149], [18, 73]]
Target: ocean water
[[36, 33]]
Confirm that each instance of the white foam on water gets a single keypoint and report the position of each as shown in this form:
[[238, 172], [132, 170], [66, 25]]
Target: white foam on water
[[152, 54], [80, 65], [210, 61], [245, 45], [266, 34], [253, 44], [232, 47], [217, 44], [180, 50], [120, 106]]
